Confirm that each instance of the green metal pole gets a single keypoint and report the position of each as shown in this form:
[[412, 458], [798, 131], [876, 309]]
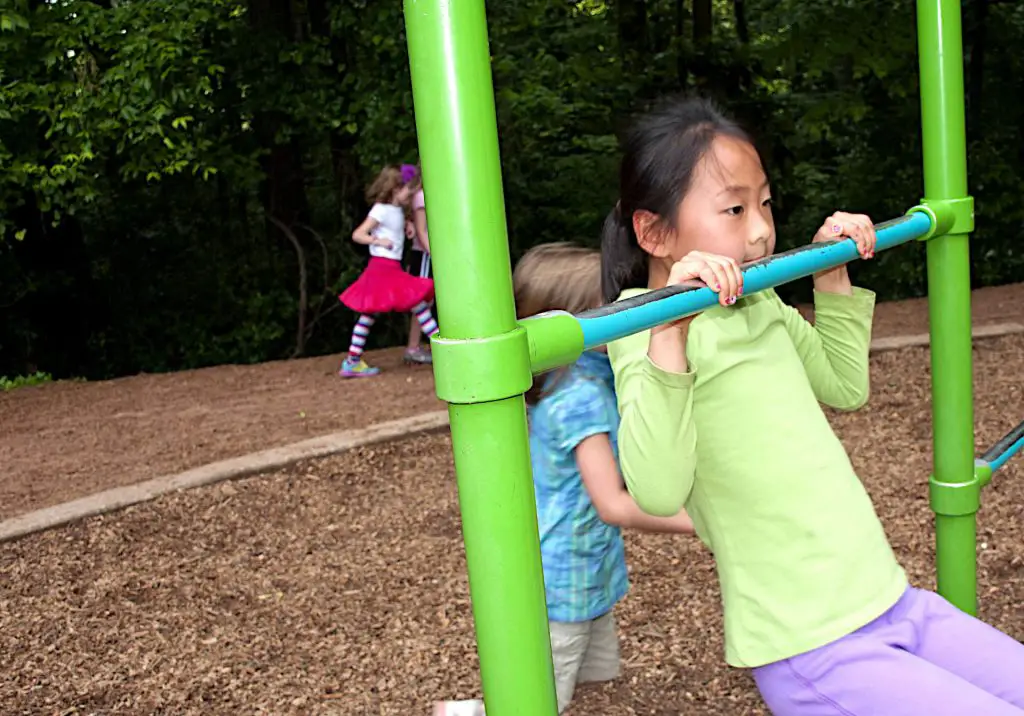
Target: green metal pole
[[954, 489], [482, 361]]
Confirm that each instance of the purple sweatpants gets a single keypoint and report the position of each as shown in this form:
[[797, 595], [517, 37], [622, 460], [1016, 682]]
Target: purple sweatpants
[[923, 657]]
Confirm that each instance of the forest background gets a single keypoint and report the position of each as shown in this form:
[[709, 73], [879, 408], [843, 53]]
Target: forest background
[[179, 180]]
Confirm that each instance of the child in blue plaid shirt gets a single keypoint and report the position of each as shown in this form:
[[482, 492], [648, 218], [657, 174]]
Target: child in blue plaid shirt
[[582, 501]]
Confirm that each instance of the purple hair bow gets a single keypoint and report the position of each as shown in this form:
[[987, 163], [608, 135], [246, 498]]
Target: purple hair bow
[[409, 172]]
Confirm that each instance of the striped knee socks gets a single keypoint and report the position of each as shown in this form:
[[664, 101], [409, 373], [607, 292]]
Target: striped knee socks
[[425, 318], [359, 335]]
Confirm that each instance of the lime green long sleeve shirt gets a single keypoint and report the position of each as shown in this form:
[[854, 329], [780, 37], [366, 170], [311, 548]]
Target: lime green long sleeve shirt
[[741, 441]]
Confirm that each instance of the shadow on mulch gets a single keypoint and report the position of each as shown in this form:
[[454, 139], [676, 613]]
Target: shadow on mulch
[[338, 586]]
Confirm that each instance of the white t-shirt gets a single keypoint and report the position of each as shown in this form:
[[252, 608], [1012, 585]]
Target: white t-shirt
[[390, 226]]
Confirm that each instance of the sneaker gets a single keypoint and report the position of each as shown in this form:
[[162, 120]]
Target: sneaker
[[417, 355], [459, 708], [356, 369]]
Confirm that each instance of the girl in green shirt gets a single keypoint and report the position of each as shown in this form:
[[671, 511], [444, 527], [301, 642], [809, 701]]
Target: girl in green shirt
[[721, 413]]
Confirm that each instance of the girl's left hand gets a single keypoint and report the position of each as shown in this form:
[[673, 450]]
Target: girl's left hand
[[858, 227]]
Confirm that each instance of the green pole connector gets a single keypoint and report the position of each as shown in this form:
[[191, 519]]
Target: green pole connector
[[940, 54], [482, 362], [951, 500], [982, 472], [481, 370], [949, 216], [555, 340]]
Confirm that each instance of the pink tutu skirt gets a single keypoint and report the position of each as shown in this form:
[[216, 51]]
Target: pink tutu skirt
[[384, 287]]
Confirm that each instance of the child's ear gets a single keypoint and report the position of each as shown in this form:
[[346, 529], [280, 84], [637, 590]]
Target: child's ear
[[650, 233]]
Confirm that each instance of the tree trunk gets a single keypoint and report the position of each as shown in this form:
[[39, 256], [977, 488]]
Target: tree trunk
[[740, 78], [344, 162], [283, 188], [740, 12], [283, 193], [977, 38], [682, 69], [632, 21], [703, 21]]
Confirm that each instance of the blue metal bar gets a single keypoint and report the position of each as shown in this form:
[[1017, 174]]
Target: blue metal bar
[[1007, 446], [632, 315]]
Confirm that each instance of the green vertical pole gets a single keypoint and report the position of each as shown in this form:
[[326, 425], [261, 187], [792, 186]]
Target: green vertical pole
[[954, 490], [481, 362]]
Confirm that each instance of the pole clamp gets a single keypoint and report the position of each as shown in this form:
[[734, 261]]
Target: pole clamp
[[949, 216], [481, 370], [954, 499]]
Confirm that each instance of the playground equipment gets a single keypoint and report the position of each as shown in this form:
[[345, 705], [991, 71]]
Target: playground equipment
[[484, 361]]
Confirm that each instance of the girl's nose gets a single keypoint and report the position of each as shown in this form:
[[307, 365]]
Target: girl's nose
[[760, 230]]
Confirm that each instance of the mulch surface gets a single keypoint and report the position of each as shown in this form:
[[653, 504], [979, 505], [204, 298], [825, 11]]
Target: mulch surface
[[70, 439], [338, 586]]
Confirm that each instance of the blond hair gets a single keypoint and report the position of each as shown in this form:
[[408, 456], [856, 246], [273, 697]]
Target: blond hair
[[556, 277], [383, 187]]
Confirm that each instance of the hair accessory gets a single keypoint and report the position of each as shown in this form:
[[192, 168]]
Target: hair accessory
[[409, 172]]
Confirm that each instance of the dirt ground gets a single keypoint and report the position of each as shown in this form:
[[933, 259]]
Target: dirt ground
[[69, 439], [338, 586]]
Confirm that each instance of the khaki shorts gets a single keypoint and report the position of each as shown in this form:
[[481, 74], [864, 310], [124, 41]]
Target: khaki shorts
[[582, 652]]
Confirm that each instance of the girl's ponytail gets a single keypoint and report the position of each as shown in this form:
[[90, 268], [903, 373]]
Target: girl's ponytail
[[623, 262]]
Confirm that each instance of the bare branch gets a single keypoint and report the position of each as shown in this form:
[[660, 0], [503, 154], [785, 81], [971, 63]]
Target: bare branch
[[320, 312], [323, 248], [300, 333]]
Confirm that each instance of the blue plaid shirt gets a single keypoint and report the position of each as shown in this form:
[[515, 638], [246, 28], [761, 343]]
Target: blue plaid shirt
[[584, 558]]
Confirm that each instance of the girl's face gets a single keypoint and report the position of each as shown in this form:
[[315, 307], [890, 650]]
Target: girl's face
[[402, 195], [727, 210]]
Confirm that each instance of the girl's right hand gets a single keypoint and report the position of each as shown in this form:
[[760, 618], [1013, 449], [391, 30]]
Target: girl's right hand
[[719, 273], [385, 244]]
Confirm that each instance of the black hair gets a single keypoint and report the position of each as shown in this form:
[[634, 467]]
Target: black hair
[[659, 154]]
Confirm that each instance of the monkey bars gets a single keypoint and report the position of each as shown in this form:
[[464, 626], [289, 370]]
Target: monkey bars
[[484, 359]]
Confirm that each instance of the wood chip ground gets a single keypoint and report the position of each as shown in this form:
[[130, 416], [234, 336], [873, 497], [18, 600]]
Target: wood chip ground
[[338, 586]]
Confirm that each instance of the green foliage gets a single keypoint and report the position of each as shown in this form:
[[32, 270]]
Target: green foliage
[[84, 83], [166, 169], [22, 381]]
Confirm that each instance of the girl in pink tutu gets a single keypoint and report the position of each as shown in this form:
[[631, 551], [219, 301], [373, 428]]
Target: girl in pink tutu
[[384, 286]]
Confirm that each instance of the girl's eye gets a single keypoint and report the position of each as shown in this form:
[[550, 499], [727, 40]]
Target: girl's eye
[[734, 210], [767, 202]]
